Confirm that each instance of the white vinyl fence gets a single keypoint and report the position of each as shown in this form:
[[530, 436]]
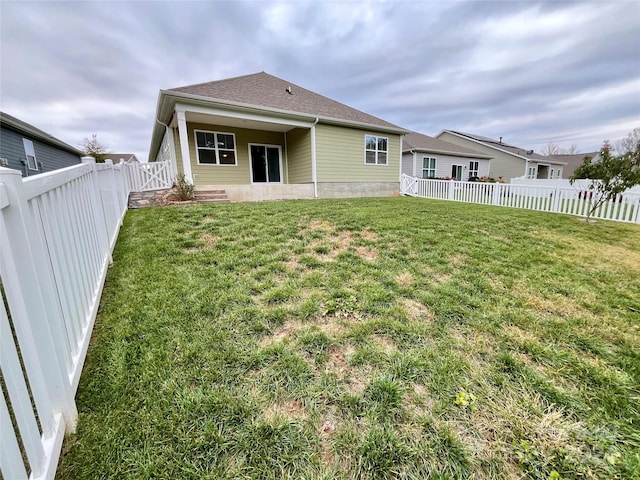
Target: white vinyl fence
[[144, 177], [569, 200], [57, 232]]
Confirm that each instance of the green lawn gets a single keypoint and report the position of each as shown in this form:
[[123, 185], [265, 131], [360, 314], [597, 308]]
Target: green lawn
[[361, 339]]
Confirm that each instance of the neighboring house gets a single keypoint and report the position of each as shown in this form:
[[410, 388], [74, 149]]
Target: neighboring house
[[573, 161], [28, 149], [508, 161], [260, 137], [121, 157], [428, 157]]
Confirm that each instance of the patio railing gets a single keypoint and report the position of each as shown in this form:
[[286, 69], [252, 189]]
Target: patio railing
[[57, 232], [569, 200]]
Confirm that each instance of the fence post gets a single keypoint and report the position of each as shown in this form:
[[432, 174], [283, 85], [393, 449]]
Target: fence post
[[23, 257], [495, 200], [450, 190], [98, 209], [556, 200]]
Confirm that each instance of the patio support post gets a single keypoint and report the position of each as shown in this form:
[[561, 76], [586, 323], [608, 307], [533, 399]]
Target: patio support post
[[184, 146], [314, 173]]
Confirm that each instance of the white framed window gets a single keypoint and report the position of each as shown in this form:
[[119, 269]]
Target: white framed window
[[474, 168], [215, 148], [29, 151], [428, 167], [532, 172], [376, 150]]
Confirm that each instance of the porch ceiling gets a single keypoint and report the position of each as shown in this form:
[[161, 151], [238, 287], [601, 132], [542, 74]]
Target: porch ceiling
[[213, 119]]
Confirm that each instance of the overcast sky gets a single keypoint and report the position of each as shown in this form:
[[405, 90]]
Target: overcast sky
[[530, 72]]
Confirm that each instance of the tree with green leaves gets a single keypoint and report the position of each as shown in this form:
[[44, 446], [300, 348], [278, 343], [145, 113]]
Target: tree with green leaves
[[93, 148], [613, 174]]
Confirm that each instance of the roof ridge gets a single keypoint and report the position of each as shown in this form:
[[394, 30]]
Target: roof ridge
[[211, 82]]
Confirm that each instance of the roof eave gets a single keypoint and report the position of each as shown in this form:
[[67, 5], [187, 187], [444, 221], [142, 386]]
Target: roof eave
[[168, 98], [446, 152], [44, 138]]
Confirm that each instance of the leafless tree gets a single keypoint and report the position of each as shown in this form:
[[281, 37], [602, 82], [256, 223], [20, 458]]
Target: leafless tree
[[93, 148]]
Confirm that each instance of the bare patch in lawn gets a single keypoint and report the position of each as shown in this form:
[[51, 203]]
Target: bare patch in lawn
[[338, 360], [384, 344], [328, 426], [291, 410], [367, 253], [457, 260], [319, 226], [404, 279], [417, 310], [282, 333], [357, 379], [368, 235], [419, 402], [555, 305], [601, 255]]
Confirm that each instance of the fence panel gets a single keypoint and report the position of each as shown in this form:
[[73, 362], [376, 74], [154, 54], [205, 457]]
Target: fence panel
[[144, 177], [57, 231], [547, 197]]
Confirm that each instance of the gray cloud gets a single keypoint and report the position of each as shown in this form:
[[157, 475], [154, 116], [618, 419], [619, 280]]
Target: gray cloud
[[532, 72]]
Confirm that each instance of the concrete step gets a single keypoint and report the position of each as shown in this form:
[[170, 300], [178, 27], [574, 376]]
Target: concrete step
[[213, 200], [211, 196]]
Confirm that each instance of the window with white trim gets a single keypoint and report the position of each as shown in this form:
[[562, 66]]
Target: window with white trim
[[428, 167], [30, 152], [474, 168], [215, 148], [532, 172], [376, 150]]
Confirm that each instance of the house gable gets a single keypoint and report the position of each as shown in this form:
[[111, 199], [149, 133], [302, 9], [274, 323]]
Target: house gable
[[508, 161], [49, 153]]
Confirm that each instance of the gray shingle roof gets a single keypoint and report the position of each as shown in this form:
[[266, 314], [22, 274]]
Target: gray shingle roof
[[419, 141], [490, 142], [17, 124], [573, 161], [264, 90]]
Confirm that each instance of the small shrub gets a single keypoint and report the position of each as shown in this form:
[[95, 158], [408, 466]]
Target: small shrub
[[184, 189]]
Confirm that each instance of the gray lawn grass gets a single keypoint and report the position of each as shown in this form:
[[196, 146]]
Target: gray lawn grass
[[363, 339]]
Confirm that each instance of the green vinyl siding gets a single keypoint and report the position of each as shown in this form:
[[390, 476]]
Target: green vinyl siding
[[299, 155], [176, 144], [340, 154], [238, 174]]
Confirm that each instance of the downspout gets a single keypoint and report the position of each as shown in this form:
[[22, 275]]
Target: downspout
[[172, 148], [314, 174]]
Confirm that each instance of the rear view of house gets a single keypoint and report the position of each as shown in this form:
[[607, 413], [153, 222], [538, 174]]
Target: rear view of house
[[427, 157], [508, 161], [28, 149], [260, 137]]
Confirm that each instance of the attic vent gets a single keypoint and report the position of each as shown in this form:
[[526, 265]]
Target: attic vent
[[529, 152], [288, 89]]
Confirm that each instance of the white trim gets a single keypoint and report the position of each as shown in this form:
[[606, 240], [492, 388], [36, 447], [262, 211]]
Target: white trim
[[435, 166], [216, 149], [461, 169], [184, 147], [27, 154], [377, 137], [477, 169], [415, 159], [400, 169], [266, 145], [286, 156], [314, 166], [181, 107]]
